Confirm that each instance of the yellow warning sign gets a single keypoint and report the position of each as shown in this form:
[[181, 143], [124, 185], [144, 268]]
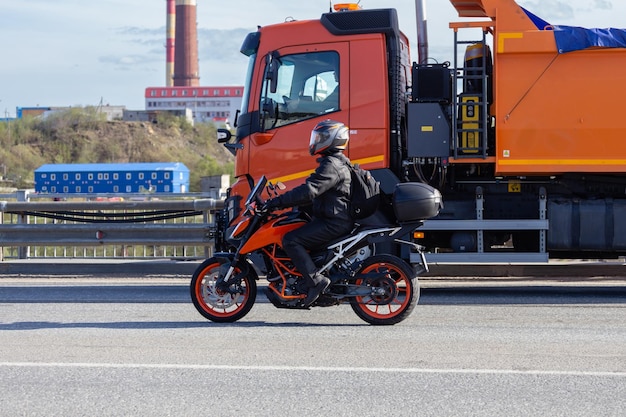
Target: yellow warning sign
[[515, 186]]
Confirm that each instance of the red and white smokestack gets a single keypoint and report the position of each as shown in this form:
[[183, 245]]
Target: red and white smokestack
[[186, 71], [170, 26]]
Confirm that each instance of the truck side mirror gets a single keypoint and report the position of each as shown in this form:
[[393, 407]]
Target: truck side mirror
[[268, 108], [223, 135], [274, 80], [271, 73]]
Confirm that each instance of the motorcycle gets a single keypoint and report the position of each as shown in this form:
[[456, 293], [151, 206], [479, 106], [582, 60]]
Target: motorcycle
[[382, 289]]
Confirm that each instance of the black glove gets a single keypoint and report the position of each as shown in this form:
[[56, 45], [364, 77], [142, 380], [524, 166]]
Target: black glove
[[272, 204]]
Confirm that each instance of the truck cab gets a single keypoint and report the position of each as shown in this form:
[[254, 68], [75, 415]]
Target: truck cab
[[302, 72]]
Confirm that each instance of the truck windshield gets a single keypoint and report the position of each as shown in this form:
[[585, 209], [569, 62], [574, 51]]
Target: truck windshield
[[307, 86]]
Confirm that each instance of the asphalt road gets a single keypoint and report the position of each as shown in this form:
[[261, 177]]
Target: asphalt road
[[74, 347]]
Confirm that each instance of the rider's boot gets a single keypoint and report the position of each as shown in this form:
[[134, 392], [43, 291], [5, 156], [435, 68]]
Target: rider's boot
[[320, 283]]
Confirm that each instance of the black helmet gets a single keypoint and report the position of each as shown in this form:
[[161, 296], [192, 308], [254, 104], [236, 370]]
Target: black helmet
[[328, 136]]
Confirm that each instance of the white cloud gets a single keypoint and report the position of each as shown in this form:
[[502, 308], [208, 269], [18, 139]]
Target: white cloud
[[551, 10]]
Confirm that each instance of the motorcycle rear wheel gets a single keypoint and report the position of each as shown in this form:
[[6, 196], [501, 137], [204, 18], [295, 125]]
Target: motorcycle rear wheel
[[217, 305], [397, 303]]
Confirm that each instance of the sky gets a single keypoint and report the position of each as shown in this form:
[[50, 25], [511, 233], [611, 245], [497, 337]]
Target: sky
[[84, 52]]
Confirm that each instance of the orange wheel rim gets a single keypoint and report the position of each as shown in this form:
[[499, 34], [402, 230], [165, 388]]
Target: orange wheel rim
[[398, 304], [217, 302]]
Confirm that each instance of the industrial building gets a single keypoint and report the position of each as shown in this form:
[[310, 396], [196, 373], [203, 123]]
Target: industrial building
[[144, 177], [207, 104]]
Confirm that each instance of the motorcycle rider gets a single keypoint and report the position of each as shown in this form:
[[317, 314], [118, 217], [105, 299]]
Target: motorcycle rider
[[328, 190]]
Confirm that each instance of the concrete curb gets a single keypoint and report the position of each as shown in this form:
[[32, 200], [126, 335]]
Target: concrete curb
[[185, 268], [99, 267], [579, 269]]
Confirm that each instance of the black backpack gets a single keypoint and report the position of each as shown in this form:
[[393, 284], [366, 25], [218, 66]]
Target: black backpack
[[364, 192]]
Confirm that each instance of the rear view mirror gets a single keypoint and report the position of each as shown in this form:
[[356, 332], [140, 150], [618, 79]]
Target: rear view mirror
[[272, 189], [271, 73], [269, 108], [223, 135]]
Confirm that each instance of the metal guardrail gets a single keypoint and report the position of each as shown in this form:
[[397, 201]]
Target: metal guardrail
[[104, 234], [103, 224]]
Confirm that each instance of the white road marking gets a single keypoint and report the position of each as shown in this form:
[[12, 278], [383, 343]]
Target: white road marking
[[307, 369]]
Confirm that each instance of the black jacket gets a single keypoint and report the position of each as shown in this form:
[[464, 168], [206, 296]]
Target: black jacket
[[328, 188]]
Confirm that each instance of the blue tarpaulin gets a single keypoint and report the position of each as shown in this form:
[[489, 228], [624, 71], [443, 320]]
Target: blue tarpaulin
[[574, 38], [539, 22]]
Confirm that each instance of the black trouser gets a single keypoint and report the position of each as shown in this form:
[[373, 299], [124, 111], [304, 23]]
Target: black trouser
[[313, 235]]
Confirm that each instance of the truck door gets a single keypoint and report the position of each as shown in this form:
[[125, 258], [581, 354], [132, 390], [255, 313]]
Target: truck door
[[302, 86]]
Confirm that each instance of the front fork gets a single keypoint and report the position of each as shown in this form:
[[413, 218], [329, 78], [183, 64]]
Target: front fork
[[229, 279]]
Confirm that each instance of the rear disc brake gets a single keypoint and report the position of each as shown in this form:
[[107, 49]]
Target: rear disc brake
[[384, 290]]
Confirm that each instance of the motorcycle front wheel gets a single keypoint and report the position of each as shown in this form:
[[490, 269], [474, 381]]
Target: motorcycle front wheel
[[218, 305], [393, 297]]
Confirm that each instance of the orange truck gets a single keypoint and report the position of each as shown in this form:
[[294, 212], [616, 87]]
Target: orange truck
[[522, 130]]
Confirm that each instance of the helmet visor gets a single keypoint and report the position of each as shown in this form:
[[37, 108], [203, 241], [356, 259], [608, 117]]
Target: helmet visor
[[316, 137], [319, 141]]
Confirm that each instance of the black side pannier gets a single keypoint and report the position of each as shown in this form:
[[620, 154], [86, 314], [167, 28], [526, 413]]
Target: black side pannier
[[413, 201]]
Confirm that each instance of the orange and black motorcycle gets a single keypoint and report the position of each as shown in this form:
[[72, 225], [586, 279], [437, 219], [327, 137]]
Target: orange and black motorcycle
[[382, 289]]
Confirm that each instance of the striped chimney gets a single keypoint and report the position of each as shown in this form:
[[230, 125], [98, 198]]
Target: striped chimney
[[170, 25], [186, 71]]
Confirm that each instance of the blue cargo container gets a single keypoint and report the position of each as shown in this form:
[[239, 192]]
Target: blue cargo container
[[141, 177]]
